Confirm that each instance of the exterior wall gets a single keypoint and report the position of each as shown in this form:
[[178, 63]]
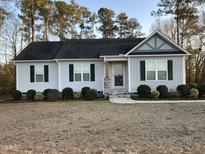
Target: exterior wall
[[77, 86], [23, 77], [178, 73]]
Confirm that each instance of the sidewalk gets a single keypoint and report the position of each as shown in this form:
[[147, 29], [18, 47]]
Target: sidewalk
[[131, 101]]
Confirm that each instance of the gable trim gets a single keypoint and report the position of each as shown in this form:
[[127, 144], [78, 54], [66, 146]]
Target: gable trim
[[157, 55], [164, 37]]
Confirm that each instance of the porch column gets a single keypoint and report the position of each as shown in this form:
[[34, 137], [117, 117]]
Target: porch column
[[106, 79]]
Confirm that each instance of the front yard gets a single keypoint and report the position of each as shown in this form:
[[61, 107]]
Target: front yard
[[97, 127]]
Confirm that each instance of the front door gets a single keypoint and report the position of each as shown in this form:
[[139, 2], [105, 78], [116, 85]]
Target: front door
[[118, 70]]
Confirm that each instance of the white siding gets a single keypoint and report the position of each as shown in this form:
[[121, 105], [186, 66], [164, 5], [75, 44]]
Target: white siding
[[23, 77], [77, 86], [178, 74]]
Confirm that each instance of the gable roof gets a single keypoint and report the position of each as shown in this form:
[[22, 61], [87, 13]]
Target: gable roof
[[39, 51], [177, 49], [92, 48], [77, 48]]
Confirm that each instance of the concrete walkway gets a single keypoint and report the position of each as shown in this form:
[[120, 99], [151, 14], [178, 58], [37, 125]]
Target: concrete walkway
[[131, 101]]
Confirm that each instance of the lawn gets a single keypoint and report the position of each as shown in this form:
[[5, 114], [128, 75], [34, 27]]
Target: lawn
[[97, 127]]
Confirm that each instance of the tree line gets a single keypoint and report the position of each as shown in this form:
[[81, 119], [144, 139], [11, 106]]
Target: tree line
[[186, 26], [44, 20]]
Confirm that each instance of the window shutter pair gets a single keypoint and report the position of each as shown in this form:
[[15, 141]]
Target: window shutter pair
[[71, 72], [32, 73], [169, 68]]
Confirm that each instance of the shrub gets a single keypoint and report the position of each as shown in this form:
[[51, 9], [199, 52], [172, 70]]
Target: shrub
[[84, 90], [144, 91], [52, 94], [67, 93], [91, 94], [201, 89], [194, 93], [163, 90], [155, 94], [39, 96], [45, 92], [174, 94], [30, 94], [16, 95], [193, 85], [184, 90], [77, 94]]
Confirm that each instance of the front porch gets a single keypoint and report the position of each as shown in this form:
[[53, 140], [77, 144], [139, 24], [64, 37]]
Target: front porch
[[116, 77]]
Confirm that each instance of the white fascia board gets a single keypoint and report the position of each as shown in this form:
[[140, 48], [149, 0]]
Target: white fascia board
[[32, 61], [111, 56], [158, 55], [87, 59]]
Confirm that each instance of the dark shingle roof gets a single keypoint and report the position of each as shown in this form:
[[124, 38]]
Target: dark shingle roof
[[77, 48], [93, 48], [40, 51]]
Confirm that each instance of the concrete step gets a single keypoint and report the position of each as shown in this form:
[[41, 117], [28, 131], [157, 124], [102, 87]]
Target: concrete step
[[119, 93]]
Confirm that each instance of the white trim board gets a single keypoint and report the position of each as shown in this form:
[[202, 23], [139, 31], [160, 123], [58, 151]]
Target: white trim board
[[164, 37]]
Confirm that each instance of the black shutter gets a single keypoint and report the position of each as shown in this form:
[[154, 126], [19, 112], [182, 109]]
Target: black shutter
[[46, 74], [170, 69], [142, 70], [71, 73], [92, 72], [32, 72]]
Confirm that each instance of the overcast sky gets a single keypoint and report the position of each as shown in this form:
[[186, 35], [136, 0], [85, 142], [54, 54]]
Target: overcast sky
[[140, 9]]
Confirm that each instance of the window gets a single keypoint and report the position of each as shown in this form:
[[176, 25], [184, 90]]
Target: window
[[162, 70], [39, 73], [82, 72], [156, 69], [86, 72], [77, 70], [151, 68]]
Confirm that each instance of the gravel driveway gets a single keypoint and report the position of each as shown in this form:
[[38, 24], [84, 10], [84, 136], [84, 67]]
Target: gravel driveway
[[100, 127]]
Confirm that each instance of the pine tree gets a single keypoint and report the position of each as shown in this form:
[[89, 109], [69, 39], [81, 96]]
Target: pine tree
[[45, 13], [122, 25], [28, 17], [134, 28], [107, 23], [87, 22]]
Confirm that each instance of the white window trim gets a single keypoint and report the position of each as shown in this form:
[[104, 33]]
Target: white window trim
[[37, 73], [82, 72], [156, 69]]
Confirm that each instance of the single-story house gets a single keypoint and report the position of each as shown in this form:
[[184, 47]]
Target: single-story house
[[102, 64]]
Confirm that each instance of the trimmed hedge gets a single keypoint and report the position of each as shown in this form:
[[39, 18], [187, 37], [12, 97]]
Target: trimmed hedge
[[67, 93], [84, 90], [193, 85], [184, 90], [163, 90], [194, 93], [144, 91], [53, 94], [30, 94], [201, 88], [45, 93], [16, 95], [91, 94], [155, 94]]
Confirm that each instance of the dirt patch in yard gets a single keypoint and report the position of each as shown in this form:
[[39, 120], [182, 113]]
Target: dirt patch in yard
[[97, 127]]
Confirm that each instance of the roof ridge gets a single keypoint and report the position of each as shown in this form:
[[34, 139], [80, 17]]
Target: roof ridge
[[105, 39]]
